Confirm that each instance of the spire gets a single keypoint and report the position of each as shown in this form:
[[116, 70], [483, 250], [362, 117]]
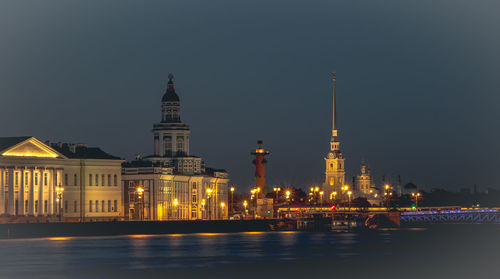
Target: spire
[[334, 117]]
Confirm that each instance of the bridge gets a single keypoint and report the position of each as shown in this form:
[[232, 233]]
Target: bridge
[[484, 216]]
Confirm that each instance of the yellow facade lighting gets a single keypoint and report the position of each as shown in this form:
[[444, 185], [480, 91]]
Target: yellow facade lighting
[[176, 202]]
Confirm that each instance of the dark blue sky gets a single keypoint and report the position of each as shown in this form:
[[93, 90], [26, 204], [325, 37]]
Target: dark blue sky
[[417, 83]]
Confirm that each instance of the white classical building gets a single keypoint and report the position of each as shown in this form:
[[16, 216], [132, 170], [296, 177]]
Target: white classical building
[[31, 171], [173, 184]]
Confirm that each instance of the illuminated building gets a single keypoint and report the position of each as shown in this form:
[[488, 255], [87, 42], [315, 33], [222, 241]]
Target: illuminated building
[[176, 184], [335, 172], [364, 182], [31, 172]]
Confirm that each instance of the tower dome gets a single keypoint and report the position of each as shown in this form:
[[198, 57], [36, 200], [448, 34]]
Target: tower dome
[[170, 95], [170, 105]]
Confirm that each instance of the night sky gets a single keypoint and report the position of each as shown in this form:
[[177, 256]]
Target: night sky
[[417, 83]]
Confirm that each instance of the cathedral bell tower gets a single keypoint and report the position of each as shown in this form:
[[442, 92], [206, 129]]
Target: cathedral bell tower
[[334, 172]]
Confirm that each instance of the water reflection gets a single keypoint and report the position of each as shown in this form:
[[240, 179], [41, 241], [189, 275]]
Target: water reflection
[[235, 255]]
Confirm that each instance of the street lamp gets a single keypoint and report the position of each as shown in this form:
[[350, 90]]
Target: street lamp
[[176, 205], [59, 191], [209, 195], [203, 208], [287, 193], [140, 191], [222, 205], [276, 190], [416, 199], [349, 194], [232, 198], [245, 204], [321, 193]]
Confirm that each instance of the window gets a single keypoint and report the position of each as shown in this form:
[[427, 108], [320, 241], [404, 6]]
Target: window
[[75, 205], [109, 179], [194, 185], [75, 180], [109, 205], [36, 206], [102, 180], [45, 206], [25, 206], [66, 206], [16, 182], [90, 206], [36, 178], [115, 208], [102, 207], [115, 182], [45, 179], [96, 180], [90, 179], [26, 177], [66, 179], [193, 199], [96, 206]]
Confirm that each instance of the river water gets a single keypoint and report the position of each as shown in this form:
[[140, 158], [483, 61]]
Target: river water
[[444, 251]]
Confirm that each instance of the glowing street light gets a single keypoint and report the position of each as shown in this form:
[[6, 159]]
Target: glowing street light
[[176, 205], [287, 194], [277, 190], [416, 199], [59, 191], [349, 194], [232, 198], [140, 197], [321, 193]]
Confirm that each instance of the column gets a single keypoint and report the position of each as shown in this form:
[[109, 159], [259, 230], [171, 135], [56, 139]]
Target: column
[[40, 193], [51, 193], [31, 202], [2, 192], [11, 204], [20, 204], [174, 144], [162, 146]]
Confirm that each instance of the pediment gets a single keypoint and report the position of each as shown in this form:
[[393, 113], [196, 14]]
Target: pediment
[[31, 148]]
